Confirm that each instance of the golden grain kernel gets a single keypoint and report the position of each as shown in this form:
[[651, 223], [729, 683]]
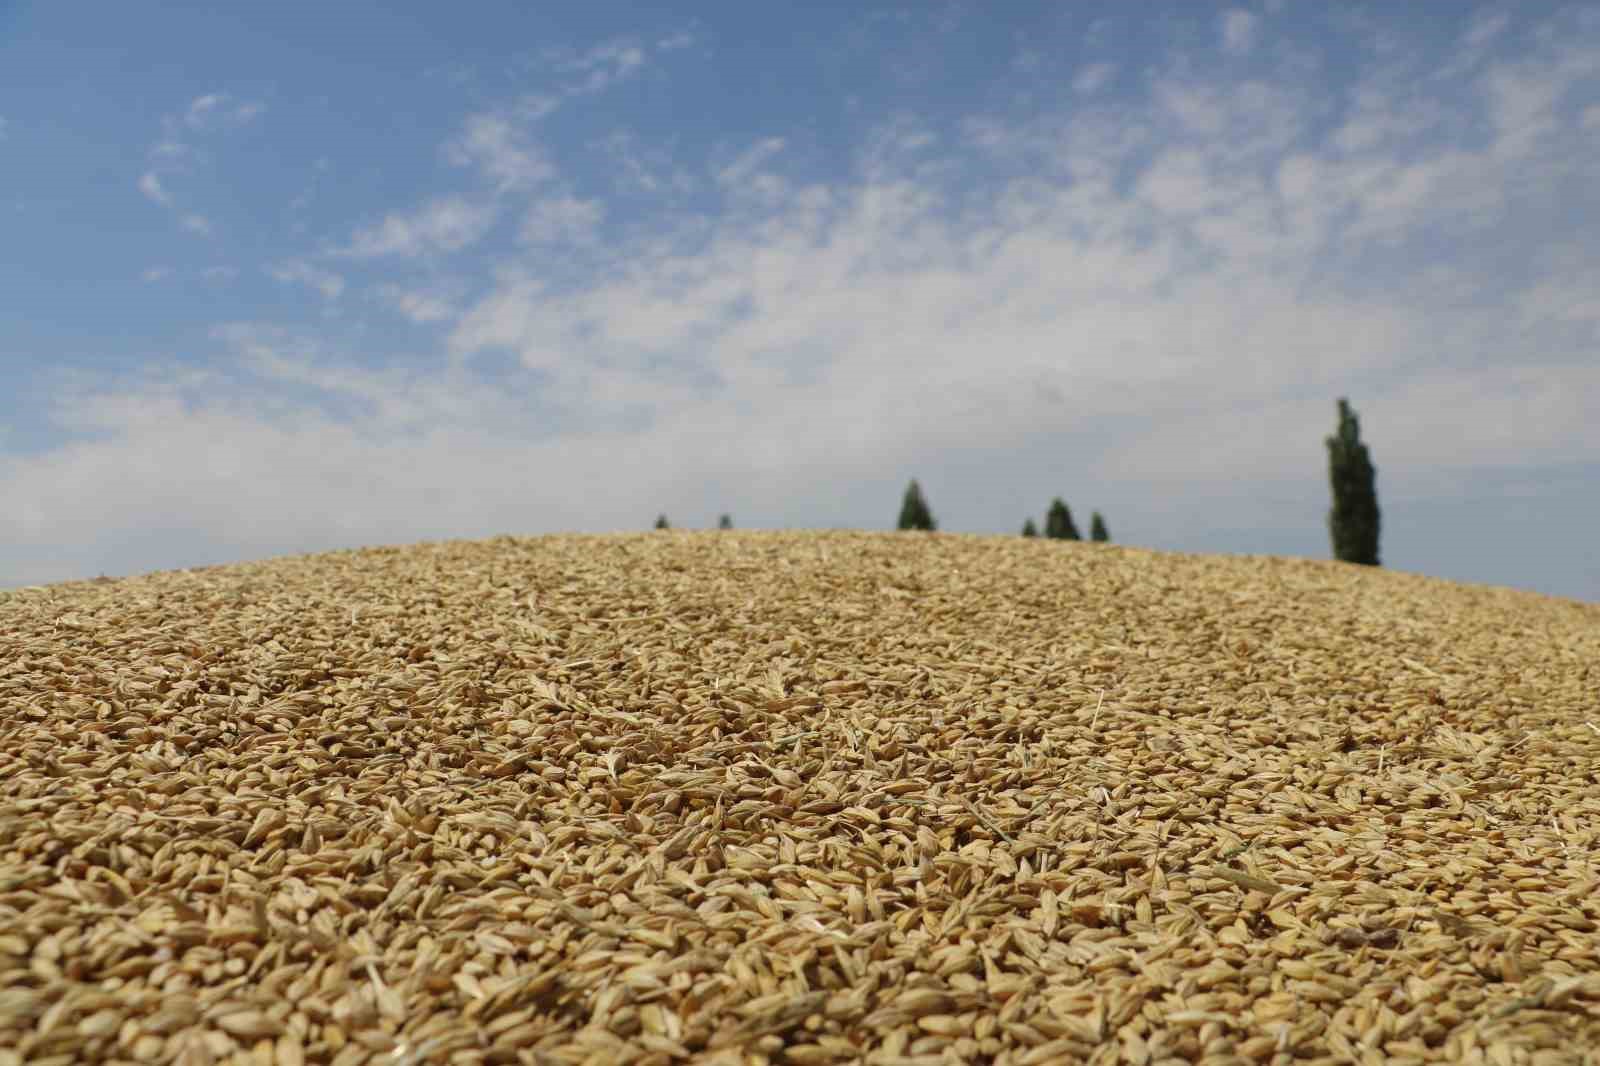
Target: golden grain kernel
[[797, 795]]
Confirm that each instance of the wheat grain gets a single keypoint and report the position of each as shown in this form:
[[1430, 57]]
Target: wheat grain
[[824, 797]]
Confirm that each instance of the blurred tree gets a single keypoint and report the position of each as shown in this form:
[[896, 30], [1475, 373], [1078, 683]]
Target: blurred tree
[[661, 523], [1097, 528], [1029, 529], [914, 513], [1353, 520], [1058, 522], [725, 522]]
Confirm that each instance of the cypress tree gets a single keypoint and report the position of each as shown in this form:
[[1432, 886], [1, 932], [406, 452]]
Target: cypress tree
[[914, 513], [1353, 520], [1097, 529], [1058, 522], [725, 522], [1029, 529], [661, 523]]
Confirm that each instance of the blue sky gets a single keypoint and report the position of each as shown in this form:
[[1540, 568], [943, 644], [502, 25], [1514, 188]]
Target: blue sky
[[286, 278]]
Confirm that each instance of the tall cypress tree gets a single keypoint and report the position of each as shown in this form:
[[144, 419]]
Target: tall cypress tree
[[1058, 522], [725, 522], [914, 513], [1029, 529], [661, 523], [1097, 529], [1353, 520]]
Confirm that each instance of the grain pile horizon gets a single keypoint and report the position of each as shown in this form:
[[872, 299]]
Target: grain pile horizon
[[796, 797]]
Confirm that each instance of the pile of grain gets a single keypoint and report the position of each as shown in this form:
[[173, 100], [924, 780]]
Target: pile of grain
[[796, 798]]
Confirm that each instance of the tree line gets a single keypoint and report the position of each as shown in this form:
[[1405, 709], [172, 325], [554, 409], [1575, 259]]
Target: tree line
[[1352, 522]]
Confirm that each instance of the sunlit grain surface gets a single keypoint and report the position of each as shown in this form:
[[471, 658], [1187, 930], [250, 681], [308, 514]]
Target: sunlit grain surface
[[796, 797]]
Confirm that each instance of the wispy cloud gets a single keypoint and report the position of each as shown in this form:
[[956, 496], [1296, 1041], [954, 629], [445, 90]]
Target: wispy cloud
[[154, 274], [1238, 28], [174, 154], [600, 67], [298, 271], [215, 111], [1486, 26], [169, 150], [421, 307], [745, 177], [497, 146], [564, 220], [871, 287], [447, 224], [641, 167], [150, 185], [1092, 77], [399, 398]]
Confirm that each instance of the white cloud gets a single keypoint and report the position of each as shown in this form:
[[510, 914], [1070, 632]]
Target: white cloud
[[643, 168], [150, 185], [1486, 26], [1182, 182], [602, 66], [153, 274], [200, 107], [747, 166], [1522, 106], [397, 398], [298, 271], [1379, 116], [419, 306], [563, 220], [498, 148], [1247, 121], [534, 106], [1238, 29], [672, 42], [171, 154], [900, 146], [1092, 77], [1199, 113], [448, 224], [893, 283], [1569, 290], [214, 111], [408, 462]]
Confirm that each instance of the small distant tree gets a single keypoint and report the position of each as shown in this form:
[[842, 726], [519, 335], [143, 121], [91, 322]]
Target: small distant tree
[[1058, 522], [725, 522], [1097, 528], [914, 513], [1029, 529], [661, 523], [1353, 520]]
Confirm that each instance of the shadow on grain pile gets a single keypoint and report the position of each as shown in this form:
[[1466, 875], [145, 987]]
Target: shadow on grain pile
[[796, 797]]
